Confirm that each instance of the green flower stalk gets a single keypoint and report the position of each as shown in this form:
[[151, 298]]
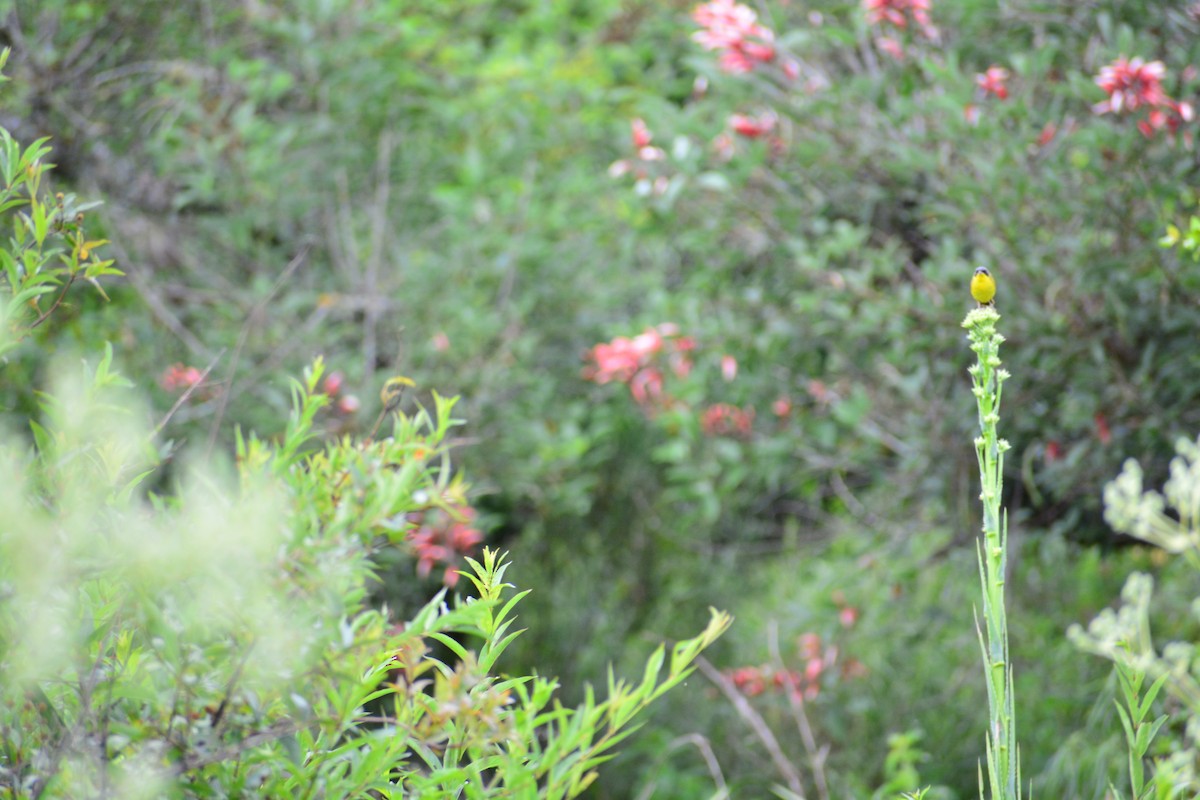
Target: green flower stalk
[[1003, 757]]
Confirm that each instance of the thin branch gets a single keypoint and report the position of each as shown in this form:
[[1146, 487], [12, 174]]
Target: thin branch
[[186, 394], [756, 722], [816, 755], [379, 227], [155, 303], [46, 314], [244, 335], [710, 760], [277, 730]]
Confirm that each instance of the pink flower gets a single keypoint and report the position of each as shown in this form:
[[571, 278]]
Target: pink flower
[[753, 127], [1171, 116], [1131, 84], [729, 367], [347, 405], [177, 377], [898, 12], [723, 419], [992, 82], [646, 164], [782, 407], [639, 362], [615, 360], [333, 383], [620, 167], [444, 541], [441, 342], [641, 134], [1047, 135], [733, 29], [890, 46], [646, 386], [819, 391], [749, 680]]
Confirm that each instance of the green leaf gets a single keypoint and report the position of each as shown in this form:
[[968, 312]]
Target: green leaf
[[453, 645]]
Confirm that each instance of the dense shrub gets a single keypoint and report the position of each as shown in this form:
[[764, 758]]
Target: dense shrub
[[220, 637], [480, 194]]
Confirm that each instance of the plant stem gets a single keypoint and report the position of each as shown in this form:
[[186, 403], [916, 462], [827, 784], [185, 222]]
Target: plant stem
[[1003, 762]]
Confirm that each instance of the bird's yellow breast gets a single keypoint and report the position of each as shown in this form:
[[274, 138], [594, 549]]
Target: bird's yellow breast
[[983, 286]]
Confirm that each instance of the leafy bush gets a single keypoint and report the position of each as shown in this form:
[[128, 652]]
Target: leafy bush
[[425, 187], [220, 638]]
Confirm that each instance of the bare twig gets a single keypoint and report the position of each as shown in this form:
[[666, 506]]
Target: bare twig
[[157, 307], [816, 755], [244, 334], [277, 730], [46, 314], [710, 760], [186, 394], [379, 227], [757, 724]]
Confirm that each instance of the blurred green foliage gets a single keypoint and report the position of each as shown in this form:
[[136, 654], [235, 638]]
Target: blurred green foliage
[[422, 187]]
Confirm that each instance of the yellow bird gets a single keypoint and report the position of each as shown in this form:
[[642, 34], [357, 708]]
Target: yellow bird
[[391, 395], [393, 392], [983, 287]]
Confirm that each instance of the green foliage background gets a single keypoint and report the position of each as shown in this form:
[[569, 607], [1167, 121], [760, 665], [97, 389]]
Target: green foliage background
[[441, 168]]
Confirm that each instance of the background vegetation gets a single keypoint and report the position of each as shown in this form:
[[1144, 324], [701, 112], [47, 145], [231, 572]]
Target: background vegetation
[[781, 422]]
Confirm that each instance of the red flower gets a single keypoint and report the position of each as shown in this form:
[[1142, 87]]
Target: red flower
[[444, 541], [640, 362], [615, 360], [848, 615], [898, 12], [733, 29], [1053, 451], [749, 680], [1131, 84], [641, 134], [642, 164], [1102, 431], [1047, 135], [782, 407], [333, 383], [723, 419], [992, 82], [890, 46], [1171, 116], [646, 385], [753, 127], [177, 377]]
